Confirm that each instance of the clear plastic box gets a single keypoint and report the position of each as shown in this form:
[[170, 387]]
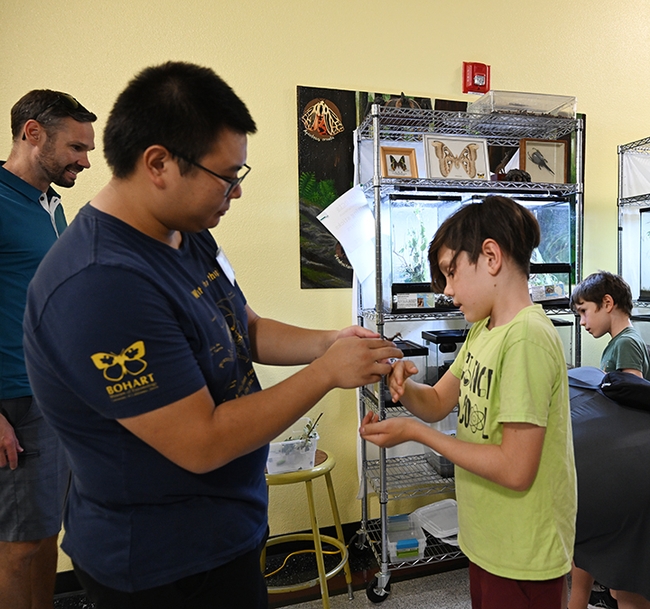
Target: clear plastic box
[[290, 453], [439, 518], [441, 464], [406, 542], [517, 102]]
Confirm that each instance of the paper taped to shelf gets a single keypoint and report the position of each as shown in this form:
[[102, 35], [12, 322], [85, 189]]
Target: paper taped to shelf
[[350, 220]]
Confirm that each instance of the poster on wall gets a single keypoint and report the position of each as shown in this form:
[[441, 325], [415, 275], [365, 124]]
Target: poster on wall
[[327, 119], [326, 122]]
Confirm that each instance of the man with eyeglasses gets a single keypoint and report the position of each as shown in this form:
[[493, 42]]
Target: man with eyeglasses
[[52, 135], [149, 381]]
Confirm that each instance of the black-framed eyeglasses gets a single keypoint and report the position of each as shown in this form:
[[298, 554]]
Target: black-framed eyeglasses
[[232, 182]]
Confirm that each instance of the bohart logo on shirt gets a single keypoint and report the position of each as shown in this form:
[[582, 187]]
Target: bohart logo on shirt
[[128, 363]]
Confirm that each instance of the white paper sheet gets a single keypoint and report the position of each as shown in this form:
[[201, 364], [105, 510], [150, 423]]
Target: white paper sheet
[[351, 221]]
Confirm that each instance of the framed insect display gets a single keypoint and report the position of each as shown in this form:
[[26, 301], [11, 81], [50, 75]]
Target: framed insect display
[[456, 158], [544, 160], [398, 163]]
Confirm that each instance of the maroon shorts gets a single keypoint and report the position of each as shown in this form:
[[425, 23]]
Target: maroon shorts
[[490, 591]]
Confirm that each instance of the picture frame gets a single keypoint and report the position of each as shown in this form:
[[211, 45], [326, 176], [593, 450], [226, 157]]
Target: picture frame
[[398, 162], [456, 158], [544, 160]]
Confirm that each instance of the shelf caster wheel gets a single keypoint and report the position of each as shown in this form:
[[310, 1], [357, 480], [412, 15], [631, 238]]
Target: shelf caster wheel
[[375, 594], [358, 547]]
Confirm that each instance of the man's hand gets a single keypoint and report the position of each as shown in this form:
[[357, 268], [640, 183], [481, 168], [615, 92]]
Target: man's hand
[[358, 331], [9, 445], [353, 361]]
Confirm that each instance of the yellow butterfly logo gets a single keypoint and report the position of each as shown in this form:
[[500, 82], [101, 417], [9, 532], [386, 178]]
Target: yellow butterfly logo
[[466, 160], [129, 361]]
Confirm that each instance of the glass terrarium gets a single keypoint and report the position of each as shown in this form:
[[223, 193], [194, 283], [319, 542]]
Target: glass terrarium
[[552, 261], [413, 223], [550, 284], [644, 265], [555, 225]]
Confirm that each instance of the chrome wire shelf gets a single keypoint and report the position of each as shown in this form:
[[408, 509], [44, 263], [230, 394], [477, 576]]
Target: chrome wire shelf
[[558, 310], [640, 146], [435, 550], [423, 186], [370, 403], [408, 477], [637, 201], [371, 315], [500, 129]]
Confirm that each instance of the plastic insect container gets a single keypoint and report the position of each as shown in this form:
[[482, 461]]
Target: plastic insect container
[[447, 344], [440, 464], [291, 451], [406, 543], [440, 519], [399, 522], [518, 102]]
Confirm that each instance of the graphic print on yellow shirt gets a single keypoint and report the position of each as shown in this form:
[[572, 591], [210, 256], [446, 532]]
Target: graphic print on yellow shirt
[[475, 382], [516, 373]]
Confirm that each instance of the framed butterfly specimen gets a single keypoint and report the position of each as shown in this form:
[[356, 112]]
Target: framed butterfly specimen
[[456, 158], [398, 162], [544, 160]]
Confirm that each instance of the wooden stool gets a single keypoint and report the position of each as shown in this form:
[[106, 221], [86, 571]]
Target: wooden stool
[[323, 466]]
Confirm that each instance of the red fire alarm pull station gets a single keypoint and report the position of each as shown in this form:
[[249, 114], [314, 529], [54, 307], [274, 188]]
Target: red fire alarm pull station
[[476, 77]]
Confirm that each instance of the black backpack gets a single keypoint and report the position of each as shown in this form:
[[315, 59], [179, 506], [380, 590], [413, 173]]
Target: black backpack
[[627, 389]]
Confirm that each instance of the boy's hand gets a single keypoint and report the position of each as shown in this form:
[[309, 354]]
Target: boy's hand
[[387, 433], [397, 378]]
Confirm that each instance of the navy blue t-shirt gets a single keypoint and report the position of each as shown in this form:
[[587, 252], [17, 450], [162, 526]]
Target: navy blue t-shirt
[[118, 324]]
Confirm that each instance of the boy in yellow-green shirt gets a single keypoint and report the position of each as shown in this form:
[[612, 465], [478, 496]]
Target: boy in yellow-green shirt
[[515, 472]]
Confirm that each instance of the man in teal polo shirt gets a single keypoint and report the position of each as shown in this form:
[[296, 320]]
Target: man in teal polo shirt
[[52, 134]]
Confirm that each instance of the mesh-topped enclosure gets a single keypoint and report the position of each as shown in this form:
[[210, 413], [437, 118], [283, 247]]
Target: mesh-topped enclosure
[[634, 218]]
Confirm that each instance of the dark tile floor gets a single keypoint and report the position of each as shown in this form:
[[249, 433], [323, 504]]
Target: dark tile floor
[[299, 567]]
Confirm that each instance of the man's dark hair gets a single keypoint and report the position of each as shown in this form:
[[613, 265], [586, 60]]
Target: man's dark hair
[[596, 286], [178, 105], [48, 108], [511, 225]]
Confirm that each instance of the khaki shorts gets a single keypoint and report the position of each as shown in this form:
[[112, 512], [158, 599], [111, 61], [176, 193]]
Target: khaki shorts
[[32, 496]]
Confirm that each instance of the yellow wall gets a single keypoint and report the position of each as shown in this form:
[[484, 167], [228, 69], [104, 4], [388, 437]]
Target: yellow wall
[[595, 50]]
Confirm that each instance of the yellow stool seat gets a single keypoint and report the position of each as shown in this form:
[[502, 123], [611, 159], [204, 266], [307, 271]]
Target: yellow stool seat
[[323, 466]]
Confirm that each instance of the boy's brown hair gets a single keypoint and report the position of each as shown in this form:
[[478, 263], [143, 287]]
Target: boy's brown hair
[[511, 225], [596, 286]]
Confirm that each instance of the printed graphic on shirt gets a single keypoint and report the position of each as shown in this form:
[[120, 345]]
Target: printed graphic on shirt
[[475, 385], [125, 371], [235, 351], [198, 291], [236, 332]]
